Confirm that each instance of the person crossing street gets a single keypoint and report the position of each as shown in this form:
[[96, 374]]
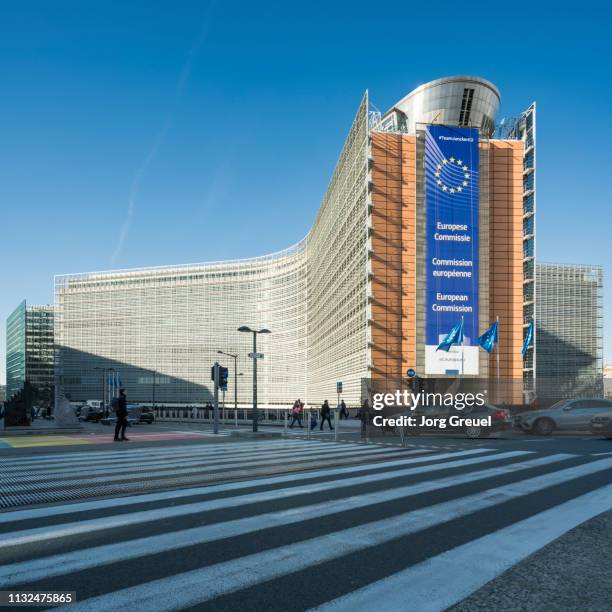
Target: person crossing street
[[325, 415], [296, 413], [122, 422]]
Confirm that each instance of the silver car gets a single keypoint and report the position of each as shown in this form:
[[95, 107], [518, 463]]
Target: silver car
[[564, 415]]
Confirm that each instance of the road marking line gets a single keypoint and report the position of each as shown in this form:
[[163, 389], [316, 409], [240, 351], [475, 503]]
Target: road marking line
[[495, 552], [25, 473], [138, 452]]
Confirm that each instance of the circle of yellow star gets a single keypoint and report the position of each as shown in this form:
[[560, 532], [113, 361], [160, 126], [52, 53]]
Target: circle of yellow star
[[451, 188]]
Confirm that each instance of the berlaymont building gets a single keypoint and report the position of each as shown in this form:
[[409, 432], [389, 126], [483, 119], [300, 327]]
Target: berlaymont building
[[428, 220]]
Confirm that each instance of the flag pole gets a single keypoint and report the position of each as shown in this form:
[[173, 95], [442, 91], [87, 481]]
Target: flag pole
[[497, 359], [462, 343]]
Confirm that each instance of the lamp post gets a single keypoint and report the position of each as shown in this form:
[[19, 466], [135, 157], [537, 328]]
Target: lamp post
[[247, 329], [154, 372]]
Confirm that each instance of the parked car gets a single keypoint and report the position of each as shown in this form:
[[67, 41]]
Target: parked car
[[146, 416], [601, 425], [564, 415], [89, 413], [135, 413]]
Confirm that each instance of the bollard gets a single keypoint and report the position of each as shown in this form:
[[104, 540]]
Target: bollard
[[308, 425], [336, 424], [236, 418], [285, 424]]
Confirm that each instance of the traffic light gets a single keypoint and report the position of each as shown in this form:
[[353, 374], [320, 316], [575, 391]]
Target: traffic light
[[223, 376]]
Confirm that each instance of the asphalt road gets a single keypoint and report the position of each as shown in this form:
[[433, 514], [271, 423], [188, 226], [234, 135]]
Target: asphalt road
[[307, 524]]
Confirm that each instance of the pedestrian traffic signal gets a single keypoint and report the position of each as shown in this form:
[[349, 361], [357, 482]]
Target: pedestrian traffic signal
[[223, 376]]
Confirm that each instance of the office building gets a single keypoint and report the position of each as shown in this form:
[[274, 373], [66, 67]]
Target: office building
[[428, 220], [569, 329], [30, 351], [607, 376]]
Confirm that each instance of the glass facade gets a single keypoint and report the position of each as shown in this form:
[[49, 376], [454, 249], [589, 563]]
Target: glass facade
[[160, 329], [40, 352], [524, 128], [569, 327], [30, 351], [16, 350]]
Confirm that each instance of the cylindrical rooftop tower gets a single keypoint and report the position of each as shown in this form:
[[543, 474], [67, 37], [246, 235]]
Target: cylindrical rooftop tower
[[457, 100]]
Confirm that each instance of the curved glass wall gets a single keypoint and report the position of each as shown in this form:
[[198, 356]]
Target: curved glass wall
[[157, 331]]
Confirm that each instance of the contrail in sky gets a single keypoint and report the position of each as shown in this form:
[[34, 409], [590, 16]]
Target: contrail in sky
[[159, 138]]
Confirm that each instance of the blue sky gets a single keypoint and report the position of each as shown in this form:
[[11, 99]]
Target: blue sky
[[151, 133]]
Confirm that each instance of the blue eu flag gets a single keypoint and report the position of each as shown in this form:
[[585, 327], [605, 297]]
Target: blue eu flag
[[489, 338], [528, 338], [454, 336]]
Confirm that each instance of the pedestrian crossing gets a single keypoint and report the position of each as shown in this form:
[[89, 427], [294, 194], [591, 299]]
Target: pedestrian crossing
[[95, 474], [377, 533]]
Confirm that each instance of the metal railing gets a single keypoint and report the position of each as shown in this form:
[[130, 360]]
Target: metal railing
[[280, 416]]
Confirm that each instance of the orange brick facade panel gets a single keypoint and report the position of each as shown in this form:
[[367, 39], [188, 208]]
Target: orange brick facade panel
[[393, 263], [506, 253]]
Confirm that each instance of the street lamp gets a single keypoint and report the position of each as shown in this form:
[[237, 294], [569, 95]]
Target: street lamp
[[154, 372], [247, 329]]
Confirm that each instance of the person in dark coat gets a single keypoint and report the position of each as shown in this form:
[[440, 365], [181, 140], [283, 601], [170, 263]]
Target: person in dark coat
[[325, 415], [122, 414], [344, 413], [364, 416]]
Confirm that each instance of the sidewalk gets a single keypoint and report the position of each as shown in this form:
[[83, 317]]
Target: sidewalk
[[571, 573]]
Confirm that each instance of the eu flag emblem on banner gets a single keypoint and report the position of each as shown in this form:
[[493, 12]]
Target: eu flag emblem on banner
[[454, 336], [452, 175], [489, 338], [528, 339]]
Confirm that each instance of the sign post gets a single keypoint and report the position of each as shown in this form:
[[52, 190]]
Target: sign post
[[336, 419], [216, 401]]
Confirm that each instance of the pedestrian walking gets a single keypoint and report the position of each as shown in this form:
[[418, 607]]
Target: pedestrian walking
[[121, 413], [364, 415], [344, 414], [296, 413], [325, 415]]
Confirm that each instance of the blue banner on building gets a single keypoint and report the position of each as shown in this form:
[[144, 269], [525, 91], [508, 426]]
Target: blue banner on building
[[451, 204]]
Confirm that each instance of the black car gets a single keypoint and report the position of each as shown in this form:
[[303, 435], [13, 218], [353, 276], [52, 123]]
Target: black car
[[93, 415], [147, 416], [601, 425]]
